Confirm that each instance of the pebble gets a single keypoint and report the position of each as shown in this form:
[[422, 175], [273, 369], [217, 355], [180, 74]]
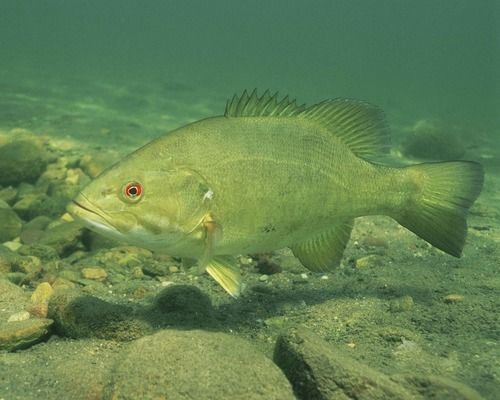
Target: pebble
[[19, 316], [94, 273], [8, 194], [11, 225], [304, 276], [30, 265], [13, 245], [368, 261], [264, 278], [42, 293], [453, 298], [173, 269], [404, 303]]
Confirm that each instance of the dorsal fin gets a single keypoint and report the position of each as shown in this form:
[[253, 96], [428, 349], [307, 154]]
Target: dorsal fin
[[360, 125], [266, 105]]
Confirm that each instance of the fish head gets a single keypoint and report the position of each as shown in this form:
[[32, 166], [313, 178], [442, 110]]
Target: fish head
[[160, 208]]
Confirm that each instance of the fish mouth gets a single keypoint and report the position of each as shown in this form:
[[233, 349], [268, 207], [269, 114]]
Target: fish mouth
[[84, 210]]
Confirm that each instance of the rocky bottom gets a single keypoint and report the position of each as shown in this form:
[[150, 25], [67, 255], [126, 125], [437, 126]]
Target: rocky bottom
[[85, 318]]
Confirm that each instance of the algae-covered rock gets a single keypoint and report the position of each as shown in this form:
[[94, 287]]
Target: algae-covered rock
[[21, 161], [8, 259], [185, 306], [94, 273], [77, 315], [8, 194], [43, 252], [23, 334], [430, 140], [12, 299], [437, 387], [195, 364], [10, 226], [60, 369], [64, 238], [320, 371]]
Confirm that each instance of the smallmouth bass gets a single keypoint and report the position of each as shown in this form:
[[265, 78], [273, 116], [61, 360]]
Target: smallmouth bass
[[270, 174]]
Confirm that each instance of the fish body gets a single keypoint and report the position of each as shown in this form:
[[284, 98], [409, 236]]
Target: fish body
[[270, 174]]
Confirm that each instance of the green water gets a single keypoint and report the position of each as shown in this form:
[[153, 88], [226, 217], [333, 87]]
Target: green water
[[108, 76]]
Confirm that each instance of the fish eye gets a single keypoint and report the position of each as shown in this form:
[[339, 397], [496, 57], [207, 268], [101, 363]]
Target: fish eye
[[132, 191]]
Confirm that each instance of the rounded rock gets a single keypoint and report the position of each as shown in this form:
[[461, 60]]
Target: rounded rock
[[11, 225], [197, 365], [21, 160]]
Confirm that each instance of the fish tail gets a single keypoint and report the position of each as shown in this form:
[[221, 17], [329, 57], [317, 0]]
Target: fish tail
[[438, 207]]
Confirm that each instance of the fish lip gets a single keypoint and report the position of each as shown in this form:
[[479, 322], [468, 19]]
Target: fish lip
[[79, 207]]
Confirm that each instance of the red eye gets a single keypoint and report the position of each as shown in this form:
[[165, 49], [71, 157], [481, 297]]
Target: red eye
[[133, 190]]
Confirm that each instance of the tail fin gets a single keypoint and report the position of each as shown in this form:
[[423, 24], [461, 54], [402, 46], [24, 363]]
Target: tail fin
[[438, 212]]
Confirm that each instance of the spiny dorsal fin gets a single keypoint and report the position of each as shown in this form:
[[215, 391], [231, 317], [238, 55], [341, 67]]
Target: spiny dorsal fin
[[360, 125], [266, 105]]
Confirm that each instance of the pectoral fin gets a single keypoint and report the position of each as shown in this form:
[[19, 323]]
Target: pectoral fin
[[322, 253], [227, 273], [213, 233]]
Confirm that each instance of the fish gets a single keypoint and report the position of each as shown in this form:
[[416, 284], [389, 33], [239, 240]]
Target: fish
[[270, 174]]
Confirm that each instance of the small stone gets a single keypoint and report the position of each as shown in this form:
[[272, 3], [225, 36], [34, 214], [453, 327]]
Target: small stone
[[8, 194], [12, 245], [79, 315], [137, 273], [404, 303], [246, 260], [10, 226], [30, 265], [173, 269], [38, 310], [265, 265], [19, 316], [304, 276], [4, 204], [453, 298], [38, 223], [67, 217], [264, 278], [94, 273], [368, 261], [29, 205], [7, 259], [62, 283], [42, 293], [324, 277], [64, 238], [31, 236]]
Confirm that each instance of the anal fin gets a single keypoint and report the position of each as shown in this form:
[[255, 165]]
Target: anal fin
[[227, 274], [323, 252]]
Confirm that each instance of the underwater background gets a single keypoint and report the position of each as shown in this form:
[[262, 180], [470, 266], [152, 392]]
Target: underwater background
[[82, 83]]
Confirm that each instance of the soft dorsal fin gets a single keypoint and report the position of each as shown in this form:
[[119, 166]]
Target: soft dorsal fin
[[266, 105], [361, 126]]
